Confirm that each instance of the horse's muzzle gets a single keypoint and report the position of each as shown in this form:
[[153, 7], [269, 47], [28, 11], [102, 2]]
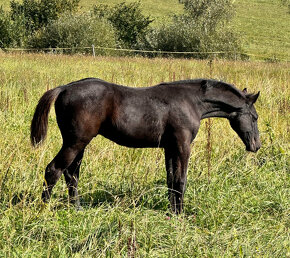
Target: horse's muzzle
[[254, 146]]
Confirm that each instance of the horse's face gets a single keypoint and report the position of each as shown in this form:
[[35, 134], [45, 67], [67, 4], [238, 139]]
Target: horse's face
[[245, 124]]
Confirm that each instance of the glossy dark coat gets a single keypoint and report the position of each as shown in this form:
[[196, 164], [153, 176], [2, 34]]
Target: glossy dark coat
[[166, 115]]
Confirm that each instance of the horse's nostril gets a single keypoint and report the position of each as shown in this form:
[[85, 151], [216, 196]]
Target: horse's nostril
[[258, 144]]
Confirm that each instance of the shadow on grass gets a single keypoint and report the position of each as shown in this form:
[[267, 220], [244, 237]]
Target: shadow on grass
[[22, 197], [148, 197], [153, 196]]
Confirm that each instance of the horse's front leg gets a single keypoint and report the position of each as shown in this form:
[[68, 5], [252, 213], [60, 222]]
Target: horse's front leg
[[176, 159]]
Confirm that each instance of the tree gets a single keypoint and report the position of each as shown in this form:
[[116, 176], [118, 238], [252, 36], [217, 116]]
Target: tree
[[286, 3], [37, 13], [203, 27], [127, 19], [75, 32], [208, 13]]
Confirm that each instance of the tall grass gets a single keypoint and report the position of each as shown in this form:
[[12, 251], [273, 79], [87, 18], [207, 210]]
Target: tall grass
[[243, 210]]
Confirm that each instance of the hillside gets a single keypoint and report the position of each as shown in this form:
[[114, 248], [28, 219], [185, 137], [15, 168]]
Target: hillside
[[262, 24]]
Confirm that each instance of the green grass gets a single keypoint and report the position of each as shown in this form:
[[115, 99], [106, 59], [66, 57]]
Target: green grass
[[262, 24], [158, 10], [243, 210]]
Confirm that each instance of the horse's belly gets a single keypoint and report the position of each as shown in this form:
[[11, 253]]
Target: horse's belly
[[132, 137]]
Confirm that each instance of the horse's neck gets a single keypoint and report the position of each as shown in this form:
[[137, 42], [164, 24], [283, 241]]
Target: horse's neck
[[217, 103]]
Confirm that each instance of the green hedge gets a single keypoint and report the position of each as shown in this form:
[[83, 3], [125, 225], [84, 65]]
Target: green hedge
[[76, 32], [204, 26]]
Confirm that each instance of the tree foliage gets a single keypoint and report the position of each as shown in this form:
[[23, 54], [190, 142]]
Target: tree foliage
[[127, 19], [12, 32], [37, 13], [74, 32], [203, 27], [215, 11], [286, 3]]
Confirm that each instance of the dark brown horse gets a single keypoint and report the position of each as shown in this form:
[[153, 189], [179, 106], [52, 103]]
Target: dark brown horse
[[166, 116]]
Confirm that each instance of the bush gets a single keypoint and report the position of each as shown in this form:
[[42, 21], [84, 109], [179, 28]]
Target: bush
[[210, 13], [204, 27], [5, 37], [38, 13], [127, 19], [12, 32], [75, 31], [286, 3], [18, 25]]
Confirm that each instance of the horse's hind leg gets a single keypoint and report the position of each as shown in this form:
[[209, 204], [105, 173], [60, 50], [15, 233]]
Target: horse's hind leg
[[56, 167], [72, 177]]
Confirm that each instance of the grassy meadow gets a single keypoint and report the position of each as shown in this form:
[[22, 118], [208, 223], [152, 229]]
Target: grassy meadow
[[239, 206], [264, 28]]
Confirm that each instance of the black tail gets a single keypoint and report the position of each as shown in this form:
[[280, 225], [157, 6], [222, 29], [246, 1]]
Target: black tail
[[38, 129]]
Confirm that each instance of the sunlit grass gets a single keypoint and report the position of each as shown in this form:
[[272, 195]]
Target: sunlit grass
[[264, 28], [242, 209]]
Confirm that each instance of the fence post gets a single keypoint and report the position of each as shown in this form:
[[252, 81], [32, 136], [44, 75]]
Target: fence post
[[94, 54], [208, 125]]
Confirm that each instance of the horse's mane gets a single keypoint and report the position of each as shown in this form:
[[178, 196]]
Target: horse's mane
[[190, 81], [211, 83]]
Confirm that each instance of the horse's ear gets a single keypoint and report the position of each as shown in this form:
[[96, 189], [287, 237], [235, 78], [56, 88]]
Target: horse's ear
[[253, 98], [245, 90]]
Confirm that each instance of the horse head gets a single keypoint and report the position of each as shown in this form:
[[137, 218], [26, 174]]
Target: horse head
[[244, 123]]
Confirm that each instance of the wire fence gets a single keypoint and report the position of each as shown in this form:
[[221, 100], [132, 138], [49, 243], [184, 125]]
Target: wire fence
[[93, 48]]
